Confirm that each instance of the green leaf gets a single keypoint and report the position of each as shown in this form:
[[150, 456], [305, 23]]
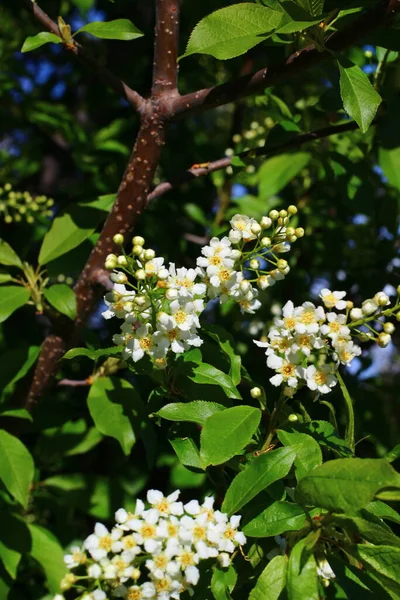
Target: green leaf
[[314, 7], [92, 354], [19, 362], [204, 373], [62, 298], [295, 18], [389, 160], [120, 29], [49, 554], [16, 467], [15, 541], [370, 529], [8, 256], [276, 172], [226, 343], [260, 473], [116, 410], [302, 579], [223, 582], [272, 580], [394, 454], [4, 277], [308, 452], [185, 449], [276, 519], [12, 297], [384, 561], [226, 433], [360, 99], [194, 412], [383, 511], [347, 484], [326, 435], [35, 41], [17, 413], [73, 227], [349, 435], [231, 31]]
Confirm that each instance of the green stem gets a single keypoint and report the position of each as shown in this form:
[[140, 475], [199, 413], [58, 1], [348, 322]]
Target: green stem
[[274, 421], [349, 434]]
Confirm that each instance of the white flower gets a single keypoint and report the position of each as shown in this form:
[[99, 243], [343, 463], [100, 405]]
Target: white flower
[[320, 379], [335, 326], [308, 318], [165, 505], [119, 302], [305, 343], [94, 571], [184, 280], [224, 534], [286, 369], [142, 343], [345, 352], [75, 558], [184, 315], [324, 570], [381, 299], [170, 336], [216, 256], [152, 267], [101, 542], [356, 314], [333, 299], [241, 228]]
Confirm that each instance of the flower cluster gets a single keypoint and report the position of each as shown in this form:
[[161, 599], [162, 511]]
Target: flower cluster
[[161, 308], [307, 344], [16, 206], [152, 553]]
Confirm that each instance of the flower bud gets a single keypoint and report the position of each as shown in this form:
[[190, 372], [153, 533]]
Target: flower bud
[[266, 242], [384, 340], [254, 264], [292, 209], [283, 213], [263, 282], [67, 582], [291, 238], [288, 391], [255, 392], [118, 239], [349, 304], [381, 299], [140, 300], [128, 307], [235, 254], [138, 240], [234, 236], [140, 274], [135, 574], [149, 254], [293, 418], [163, 273], [369, 306], [274, 215], [282, 264], [137, 250], [245, 286], [160, 363], [118, 277], [255, 228], [122, 261], [388, 328], [162, 316], [356, 314], [171, 294], [265, 222], [290, 231], [299, 231]]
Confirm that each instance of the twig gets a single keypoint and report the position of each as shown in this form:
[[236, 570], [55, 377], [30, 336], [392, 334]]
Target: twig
[[101, 71], [73, 382], [223, 163]]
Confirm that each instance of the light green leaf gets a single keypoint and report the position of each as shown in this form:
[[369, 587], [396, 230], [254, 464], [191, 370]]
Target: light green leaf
[[383, 511], [261, 473], [49, 554], [4, 277], [194, 412], [17, 413], [186, 450], [116, 410], [302, 579], [91, 439], [226, 343], [347, 484], [326, 435], [272, 580], [394, 454], [276, 172], [226, 433], [35, 41], [385, 564], [360, 99], [231, 31], [62, 298], [295, 18], [8, 256], [204, 373], [223, 582], [308, 452], [349, 435], [93, 354], [16, 467], [120, 29], [73, 227], [12, 297], [389, 160], [314, 7], [276, 519]]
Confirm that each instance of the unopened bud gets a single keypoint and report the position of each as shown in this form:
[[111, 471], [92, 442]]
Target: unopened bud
[[384, 340], [381, 299], [67, 582], [140, 274], [235, 254], [266, 242], [356, 314], [163, 273], [369, 306], [349, 304], [265, 222], [263, 282], [291, 238], [255, 392], [299, 231], [388, 328], [118, 277], [274, 215], [290, 231], [137, 250], [293, 418], [171, 294], [282, 264], [288, 391], [140, 300], [118, 239], [245, 286], [149, 254], [283, 213], [122, 261], [292, 209], [254, 264], [138, 240], [255, 228]]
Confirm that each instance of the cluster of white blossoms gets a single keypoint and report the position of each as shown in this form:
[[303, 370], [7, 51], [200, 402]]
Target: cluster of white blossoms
[[161, 306], [153, 553], [307, 343]]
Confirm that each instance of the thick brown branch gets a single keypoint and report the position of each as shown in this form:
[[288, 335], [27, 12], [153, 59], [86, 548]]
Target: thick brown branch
[[101, 71], [223, 163], [165, 65], [295, 64]]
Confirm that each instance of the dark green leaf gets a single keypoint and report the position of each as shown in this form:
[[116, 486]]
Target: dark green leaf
[[223, 582], [226, 344], [49, 554], [276, 519], [16, 467], [308, 452], [195, 412], [12, 297], [302, 579], [62, 298], [272, 580], [207, 374]]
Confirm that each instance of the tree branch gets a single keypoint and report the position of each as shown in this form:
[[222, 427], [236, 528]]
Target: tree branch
[[101, 71], [223, 163], [295, 64], [165, 65]]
